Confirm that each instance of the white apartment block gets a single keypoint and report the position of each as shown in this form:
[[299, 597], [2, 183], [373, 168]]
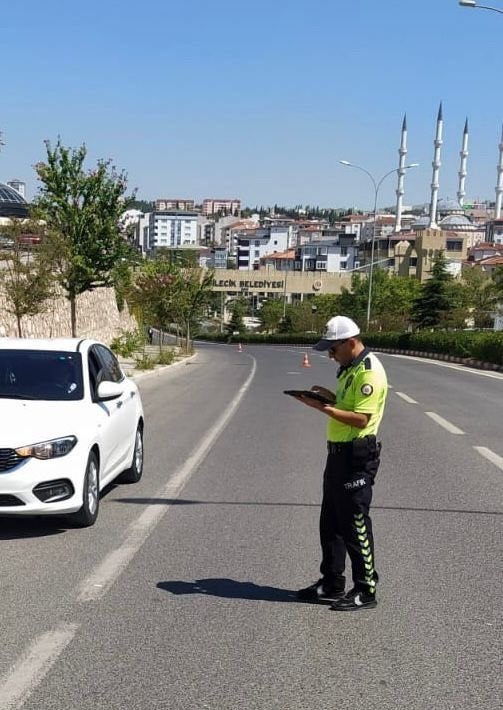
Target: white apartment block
[[332, 257], [254, 244], [212, 206], [172, 229]]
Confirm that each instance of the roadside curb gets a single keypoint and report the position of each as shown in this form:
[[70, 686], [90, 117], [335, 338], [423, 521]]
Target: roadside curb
[[466, 361], [137, 375]]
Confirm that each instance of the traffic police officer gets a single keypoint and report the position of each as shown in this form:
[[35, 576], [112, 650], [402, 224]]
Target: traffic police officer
[[352, 463]]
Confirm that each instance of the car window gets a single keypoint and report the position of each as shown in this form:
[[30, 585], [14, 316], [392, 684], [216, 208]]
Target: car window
[[41, 374], [110, 364], [95, 372]]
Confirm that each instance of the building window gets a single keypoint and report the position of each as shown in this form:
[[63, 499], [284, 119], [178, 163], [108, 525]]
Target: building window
[[344, 251], [413, 261], [454, 245]]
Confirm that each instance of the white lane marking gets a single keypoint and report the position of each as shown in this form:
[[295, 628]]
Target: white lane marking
[[105, 574], [34, 663], [406, 397], [490, 456], [451, 366], [293, 373], [444, 423]]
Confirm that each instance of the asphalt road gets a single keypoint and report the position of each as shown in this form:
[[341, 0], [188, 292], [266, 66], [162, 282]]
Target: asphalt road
[[180, 596]]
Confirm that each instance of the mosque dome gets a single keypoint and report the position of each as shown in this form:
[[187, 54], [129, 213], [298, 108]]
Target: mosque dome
[[11, 202], [447, 206], [421, 223], [456, 221]]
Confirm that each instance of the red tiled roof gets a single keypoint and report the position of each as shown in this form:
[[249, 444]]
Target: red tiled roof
[[289, 254], [491, 261]]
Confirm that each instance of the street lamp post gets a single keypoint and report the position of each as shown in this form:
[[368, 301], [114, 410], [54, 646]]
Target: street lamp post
[[472, 3], [377, 186]]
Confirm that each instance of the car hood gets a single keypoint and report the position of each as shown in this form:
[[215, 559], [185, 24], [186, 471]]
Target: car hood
[[26, 422]]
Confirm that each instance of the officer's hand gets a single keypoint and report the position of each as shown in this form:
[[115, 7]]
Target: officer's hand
[[314, 403]]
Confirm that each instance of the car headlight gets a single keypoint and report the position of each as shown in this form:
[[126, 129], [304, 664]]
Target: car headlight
[[48, 449]]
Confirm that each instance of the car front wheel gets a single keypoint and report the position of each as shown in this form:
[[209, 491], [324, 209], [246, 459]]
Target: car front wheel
[[134, 473], [87, 515]]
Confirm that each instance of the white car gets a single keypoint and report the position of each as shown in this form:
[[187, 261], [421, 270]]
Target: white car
[[71, 422]]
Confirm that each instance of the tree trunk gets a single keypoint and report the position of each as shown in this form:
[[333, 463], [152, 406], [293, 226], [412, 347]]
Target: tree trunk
[[73, 314], [187, 342], [19, 329]]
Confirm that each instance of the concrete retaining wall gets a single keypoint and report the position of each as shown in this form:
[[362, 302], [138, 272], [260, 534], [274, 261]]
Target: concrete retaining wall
[[97, 317]]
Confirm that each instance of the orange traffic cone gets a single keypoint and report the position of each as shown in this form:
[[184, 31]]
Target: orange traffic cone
[[240, 348], [305, 361]]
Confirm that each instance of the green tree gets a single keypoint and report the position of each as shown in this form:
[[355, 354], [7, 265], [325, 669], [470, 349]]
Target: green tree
[[432, 304], [82, 211], [25, 275], [271, 314], [152, 295], [236, 323], [479, 297], [192, 294], [353, 302], [181, 257], [392, 300], [497, 278]]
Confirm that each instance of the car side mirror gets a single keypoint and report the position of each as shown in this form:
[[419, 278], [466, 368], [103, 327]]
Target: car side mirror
[[109, 390]]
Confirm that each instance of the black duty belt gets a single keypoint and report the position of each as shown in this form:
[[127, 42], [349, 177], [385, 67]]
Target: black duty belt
[[367, 443], [337, 447]]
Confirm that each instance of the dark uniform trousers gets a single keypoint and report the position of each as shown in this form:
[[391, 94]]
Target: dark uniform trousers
[[345, 525]]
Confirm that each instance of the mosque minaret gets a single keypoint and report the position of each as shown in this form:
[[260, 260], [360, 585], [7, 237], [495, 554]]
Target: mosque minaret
[[436, 171], [401, 173], [462, 170], [499, 184]]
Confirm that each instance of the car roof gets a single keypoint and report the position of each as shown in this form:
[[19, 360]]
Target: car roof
[[63, 344]]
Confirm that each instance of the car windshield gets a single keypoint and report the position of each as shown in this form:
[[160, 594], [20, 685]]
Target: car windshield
[[40, 374]]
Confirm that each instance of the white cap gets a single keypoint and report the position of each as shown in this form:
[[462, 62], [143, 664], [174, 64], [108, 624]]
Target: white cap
[[338, 328]]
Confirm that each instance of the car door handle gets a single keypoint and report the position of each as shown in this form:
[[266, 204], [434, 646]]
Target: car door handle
[[119, 404], [133, 393]]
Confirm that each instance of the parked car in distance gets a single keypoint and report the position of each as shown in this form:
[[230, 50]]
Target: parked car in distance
[[72, 422], [6, 242]]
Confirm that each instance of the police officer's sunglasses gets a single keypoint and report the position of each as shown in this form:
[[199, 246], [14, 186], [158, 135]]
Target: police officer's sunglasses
[[336, 344]]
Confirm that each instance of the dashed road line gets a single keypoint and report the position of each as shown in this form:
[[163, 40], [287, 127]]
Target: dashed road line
[[452, 366], [32, 666], [444, 423], [104, 575], [490, 456], [406, 397]]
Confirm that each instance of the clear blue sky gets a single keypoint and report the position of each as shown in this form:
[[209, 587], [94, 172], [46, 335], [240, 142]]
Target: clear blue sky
[[257, 100]]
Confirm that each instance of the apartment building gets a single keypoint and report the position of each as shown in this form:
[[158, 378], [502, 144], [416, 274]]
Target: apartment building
[[254, 244], [494, 231], [328, 256], [172, 229], [227, 206], [169, 203]]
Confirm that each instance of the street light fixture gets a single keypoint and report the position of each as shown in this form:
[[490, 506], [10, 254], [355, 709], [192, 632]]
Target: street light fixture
[[472, 3], [376, 185]]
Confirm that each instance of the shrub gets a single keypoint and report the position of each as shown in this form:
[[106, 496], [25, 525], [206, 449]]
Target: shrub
[[128, 342], [166, 357], [145, 362]]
